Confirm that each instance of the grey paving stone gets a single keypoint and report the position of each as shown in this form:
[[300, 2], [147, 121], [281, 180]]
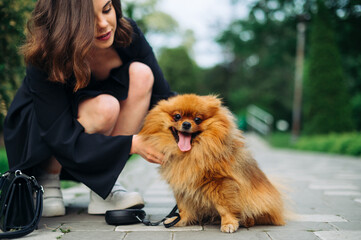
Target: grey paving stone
[[349, 176], [215, 234], [75, 214], [87, 226], [319, 218], [348, 226], [337, 235], [138, 175], [43, 235], [342, 193], [142, 228], [158, 212], [49, 223], [93, 236], [352, 216], [292, 235], [149, 236], [295, 226], [167, 206], [335, 186]]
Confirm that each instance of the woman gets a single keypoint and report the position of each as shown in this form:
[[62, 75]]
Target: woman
[[91, 77]]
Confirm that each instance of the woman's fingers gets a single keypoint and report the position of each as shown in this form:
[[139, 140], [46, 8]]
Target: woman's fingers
[[154, 156], [147, 151]]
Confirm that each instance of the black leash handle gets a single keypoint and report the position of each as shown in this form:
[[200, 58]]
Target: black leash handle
[[131, 216], [167, 225]]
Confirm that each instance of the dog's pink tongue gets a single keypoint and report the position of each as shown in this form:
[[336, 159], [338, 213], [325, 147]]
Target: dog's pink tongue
[[184, 143]]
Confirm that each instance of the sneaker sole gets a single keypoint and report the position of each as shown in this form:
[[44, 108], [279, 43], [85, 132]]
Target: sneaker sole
[[53, 207], [102, 207], [53, 213], [138, 206]]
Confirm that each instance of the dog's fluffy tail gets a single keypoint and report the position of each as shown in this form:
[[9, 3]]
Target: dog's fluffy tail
[[280, 184]]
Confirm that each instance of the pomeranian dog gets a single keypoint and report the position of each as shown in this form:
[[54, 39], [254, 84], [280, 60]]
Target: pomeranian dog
[[212, 175]]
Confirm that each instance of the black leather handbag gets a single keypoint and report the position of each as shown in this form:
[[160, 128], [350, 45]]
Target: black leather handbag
[[21, 202]]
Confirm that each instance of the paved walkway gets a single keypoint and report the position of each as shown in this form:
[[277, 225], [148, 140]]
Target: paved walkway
[[324, 192]]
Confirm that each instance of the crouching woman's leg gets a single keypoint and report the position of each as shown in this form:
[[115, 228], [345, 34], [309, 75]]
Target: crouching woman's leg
[[120, 118], [97, 115], [135, 107], [104, 114]]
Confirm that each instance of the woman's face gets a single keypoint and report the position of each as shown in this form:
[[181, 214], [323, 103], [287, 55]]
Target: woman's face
[[105, 23]]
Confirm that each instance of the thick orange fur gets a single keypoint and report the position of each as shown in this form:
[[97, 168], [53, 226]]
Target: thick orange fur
[[217, 178]]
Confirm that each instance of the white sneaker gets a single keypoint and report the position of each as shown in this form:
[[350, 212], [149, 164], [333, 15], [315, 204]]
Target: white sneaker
[[118, 199], [53, 204]]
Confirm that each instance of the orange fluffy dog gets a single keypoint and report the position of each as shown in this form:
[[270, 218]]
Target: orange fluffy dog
[[207, 166]]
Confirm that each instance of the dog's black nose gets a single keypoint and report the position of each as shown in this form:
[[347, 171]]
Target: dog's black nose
[[186, 125]]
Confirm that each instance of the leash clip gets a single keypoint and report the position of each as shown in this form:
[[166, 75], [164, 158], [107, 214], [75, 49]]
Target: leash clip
[[174, 222], [167, 225]]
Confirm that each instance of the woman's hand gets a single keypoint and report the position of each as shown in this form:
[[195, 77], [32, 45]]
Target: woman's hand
[[146, 151]]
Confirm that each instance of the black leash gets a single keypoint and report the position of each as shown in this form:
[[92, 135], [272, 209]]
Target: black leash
[[173, 213], [131, 216]]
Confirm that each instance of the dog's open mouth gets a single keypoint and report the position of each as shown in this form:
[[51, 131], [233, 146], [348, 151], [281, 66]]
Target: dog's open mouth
[[183, 139]]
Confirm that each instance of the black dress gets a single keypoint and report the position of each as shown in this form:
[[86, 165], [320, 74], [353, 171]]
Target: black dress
[[42, 122]]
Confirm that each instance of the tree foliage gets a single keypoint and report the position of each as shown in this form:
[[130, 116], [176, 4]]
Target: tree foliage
[[260, 51], [179, 69], [263, 47], [327, 102], [13, 16], [262, 69], [148, 18], [348, 37]]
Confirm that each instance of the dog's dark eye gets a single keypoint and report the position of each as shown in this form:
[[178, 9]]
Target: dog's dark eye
[[177, 117], [197, 120]]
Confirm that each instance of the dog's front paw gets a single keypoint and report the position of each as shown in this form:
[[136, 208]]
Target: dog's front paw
[[229, 228]]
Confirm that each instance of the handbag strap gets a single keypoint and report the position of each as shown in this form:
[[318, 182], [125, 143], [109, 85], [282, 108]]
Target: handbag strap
[[38, 211], [172, 213]]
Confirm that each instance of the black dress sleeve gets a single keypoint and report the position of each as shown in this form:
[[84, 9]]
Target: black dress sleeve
[[94, 159]]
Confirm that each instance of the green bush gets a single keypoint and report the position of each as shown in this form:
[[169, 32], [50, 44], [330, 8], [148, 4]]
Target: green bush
[[280, 140], [354, 148], [68, 184], [327, 105], [3, 161], [347, 143], [13, 17]]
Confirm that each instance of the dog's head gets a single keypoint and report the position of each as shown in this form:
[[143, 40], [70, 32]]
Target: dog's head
[[185, 119]]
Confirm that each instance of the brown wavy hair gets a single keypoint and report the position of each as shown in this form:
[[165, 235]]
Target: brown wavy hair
[[60, 35]]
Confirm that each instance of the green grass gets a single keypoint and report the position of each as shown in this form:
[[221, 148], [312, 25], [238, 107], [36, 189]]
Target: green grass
[[67, 184], [344, 143], [280, 140], [3, 161]]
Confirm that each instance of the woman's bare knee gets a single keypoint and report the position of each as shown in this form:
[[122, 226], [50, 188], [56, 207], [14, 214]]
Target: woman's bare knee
[[99, 114], [135, 107], [141, 78]]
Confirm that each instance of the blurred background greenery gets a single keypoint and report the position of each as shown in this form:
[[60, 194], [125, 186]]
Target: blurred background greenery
[[259, 67]]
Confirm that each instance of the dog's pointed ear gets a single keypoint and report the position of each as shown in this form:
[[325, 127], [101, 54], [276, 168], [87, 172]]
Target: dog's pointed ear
[[212, 104], [213, 100]]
